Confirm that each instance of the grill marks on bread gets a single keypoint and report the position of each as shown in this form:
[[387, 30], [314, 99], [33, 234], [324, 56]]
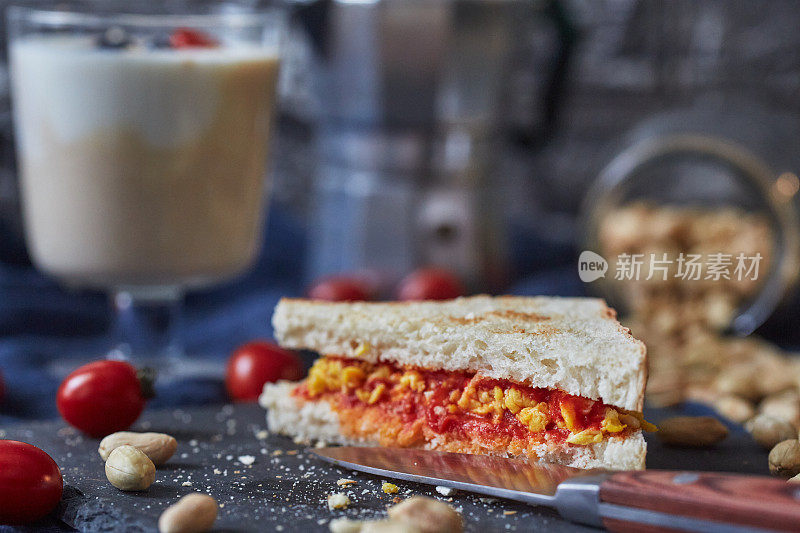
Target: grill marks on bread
[[512, 319]]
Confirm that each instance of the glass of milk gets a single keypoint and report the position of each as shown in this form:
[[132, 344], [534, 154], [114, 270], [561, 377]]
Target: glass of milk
[[142, 142]]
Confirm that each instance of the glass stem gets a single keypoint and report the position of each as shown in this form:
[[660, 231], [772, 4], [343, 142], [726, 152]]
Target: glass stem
[[147, 321]]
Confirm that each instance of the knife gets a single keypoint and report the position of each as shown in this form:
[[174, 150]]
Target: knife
[[648, 500]]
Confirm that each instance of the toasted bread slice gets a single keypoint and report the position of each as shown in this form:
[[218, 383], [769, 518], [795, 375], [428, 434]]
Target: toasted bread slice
[[571, 344]]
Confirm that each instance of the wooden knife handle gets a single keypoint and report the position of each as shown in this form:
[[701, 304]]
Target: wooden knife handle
[[727, 499]]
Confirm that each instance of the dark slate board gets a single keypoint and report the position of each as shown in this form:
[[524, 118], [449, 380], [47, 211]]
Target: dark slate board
[[286, 489]]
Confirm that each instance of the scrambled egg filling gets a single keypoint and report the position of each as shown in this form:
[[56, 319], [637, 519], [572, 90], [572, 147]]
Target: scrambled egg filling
[[372, 384]]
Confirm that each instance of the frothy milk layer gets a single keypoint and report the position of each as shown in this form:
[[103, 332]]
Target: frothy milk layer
[[79, 89], [141, 166]]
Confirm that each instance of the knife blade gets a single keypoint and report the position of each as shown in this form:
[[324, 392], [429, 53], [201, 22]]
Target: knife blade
[[621, 501]]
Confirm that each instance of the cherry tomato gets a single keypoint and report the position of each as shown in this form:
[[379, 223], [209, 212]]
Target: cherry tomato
[[186, 38], [30, 483], [430, 283], [256, 363], [102, 397], [339, 289]]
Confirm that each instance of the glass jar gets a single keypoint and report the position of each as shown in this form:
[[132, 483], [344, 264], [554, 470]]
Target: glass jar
[[688, 181]]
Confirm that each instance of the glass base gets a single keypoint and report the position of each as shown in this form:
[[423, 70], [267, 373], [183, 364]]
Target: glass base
[[146, 333], [147, 322]]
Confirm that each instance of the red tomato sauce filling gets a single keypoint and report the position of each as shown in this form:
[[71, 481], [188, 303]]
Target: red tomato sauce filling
[[464, 405]]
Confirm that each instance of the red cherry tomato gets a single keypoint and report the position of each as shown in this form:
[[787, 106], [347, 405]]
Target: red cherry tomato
[[430, 284], [30, 483], [256, 363], [102, 397], [186, 38], [339, 289]]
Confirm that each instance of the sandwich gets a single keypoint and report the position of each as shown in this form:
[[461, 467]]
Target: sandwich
[[552, 379]]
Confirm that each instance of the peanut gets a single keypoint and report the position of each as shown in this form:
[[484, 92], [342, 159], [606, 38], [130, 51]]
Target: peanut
[[734, 408], [390, 526], [128, 468], [692, 431], [769, 431], [345, 525], [784, 459], [159, 447], [774, 376], [427, 515], [194, 513], [784, 406], [739, 380]]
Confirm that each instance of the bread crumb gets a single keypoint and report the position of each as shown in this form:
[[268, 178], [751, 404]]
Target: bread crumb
[[338, 500], [344, 482], [389, 488], [262, 435], [186, 484], [246, 460], [444, 491], [509, 512]]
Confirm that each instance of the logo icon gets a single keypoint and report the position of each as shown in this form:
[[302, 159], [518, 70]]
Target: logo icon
[[591, 266]]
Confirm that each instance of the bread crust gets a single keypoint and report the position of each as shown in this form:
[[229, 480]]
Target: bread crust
[[572, 344], [315, 421]]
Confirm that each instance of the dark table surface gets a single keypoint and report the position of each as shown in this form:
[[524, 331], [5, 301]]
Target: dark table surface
[[286, 488]]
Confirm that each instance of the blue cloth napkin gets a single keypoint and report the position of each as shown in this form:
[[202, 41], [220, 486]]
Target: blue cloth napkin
[[42, 324]]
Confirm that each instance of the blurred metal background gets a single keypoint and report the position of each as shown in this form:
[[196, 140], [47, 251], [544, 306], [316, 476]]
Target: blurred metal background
[[629, 59]]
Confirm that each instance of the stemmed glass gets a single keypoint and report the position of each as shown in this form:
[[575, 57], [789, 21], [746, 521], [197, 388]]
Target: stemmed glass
[[142, 146]]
